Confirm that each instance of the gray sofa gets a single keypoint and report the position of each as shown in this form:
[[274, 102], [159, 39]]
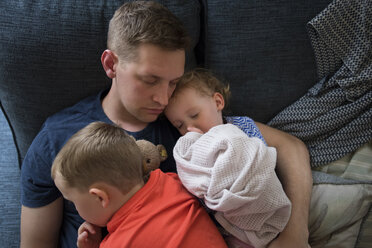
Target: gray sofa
[[50, 59]]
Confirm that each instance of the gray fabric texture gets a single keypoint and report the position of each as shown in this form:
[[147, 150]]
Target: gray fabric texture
[[50, 56], [262, 49], [324, 178], [334, 118], [10, 188]]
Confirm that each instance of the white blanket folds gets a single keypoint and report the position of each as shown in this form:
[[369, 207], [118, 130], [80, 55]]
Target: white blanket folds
[[235, 176]]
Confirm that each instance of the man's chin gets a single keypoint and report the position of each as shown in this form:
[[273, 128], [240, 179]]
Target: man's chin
[[150, 118]]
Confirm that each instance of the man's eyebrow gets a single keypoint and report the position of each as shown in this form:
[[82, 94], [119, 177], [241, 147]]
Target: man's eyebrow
[[148, 76], [176, 79]]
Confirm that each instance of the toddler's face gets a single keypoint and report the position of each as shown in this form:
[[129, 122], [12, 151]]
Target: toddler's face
[[86, 204], [190, 111]]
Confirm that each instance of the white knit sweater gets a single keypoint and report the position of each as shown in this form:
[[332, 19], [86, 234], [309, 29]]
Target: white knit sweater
[[235, 176]]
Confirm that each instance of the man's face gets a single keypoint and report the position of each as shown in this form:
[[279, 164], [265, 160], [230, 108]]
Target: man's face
[[144, 86]]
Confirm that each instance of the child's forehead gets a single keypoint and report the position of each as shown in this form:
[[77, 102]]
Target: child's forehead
[[197, 89], [60, 181]]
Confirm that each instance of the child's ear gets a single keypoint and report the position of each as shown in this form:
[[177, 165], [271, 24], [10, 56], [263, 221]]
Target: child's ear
[[109, 62], [101, 196], [220, 102]]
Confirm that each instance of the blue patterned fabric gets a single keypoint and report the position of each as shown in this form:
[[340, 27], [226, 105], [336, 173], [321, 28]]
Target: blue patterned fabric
[[334, 118], [247, 125]]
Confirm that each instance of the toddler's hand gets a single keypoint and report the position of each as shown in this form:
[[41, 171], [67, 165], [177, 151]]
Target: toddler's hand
[[89, 236], [194, 129]]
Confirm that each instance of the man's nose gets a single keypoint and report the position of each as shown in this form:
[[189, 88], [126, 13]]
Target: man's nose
[[162, 94]]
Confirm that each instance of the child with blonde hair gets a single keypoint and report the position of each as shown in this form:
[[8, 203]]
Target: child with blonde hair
[[100, 170], [231, 170]]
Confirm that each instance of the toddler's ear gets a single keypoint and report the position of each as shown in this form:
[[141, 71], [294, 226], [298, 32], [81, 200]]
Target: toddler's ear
[[220, 102], [101, 196]]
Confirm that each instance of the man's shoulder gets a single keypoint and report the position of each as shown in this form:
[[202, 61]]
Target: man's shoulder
[[63, 124], [75, 112]]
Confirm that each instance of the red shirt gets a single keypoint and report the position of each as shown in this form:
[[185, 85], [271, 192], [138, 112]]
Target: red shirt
[[162, 214]]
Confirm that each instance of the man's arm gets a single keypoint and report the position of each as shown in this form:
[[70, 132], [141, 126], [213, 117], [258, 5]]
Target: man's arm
[[40, 227], [293, 170]]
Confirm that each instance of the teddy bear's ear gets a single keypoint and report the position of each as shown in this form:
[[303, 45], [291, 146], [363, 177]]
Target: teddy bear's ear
[[163, 152]]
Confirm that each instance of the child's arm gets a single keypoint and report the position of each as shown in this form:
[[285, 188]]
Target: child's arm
[[89, 236], [293, 170]]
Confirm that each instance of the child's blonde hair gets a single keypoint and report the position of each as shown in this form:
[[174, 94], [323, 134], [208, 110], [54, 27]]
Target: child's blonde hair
[[204, 82], [100, 152]]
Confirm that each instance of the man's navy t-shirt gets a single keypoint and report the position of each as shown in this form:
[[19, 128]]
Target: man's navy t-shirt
[[38, 188]]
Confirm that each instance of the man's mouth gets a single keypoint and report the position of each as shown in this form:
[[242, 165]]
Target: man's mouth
[[155, 111]]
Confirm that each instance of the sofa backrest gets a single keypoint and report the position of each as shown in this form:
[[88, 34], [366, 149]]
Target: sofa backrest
[[50, 54], [262, 48]]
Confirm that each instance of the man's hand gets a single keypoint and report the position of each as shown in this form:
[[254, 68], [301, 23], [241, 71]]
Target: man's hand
[[89, 236]]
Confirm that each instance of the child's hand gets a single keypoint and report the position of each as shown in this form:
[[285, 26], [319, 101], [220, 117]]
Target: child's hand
[[89, 236], [194, 129]]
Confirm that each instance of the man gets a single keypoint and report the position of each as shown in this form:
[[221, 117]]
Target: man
[[145, 57]]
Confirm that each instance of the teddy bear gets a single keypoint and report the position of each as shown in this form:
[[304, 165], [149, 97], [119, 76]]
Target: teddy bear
[[152, 154]]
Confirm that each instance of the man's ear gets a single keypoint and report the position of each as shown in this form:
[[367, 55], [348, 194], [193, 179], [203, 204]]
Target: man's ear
[[109, 62], [101, 196], [220, 102]]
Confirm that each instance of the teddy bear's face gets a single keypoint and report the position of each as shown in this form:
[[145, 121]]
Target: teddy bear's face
[[152, 155], [151, 161]]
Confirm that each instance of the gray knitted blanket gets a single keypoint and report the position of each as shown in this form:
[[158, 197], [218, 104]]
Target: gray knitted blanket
[[334, 117]]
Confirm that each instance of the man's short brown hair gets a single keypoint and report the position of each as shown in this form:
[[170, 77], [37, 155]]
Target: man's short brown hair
[[141, 22], [100, 152]]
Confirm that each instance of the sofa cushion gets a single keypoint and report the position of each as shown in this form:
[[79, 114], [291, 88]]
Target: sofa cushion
[[341, 203], [263, 50], [50, 56], [337, 211], [10, 207]]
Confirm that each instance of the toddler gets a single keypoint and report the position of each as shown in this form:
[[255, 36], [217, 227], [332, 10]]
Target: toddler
[[100, 170], [231, 170]]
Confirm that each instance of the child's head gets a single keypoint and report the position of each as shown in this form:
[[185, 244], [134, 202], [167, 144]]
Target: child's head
[[100, 158], [197, 102], [145, 22]]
